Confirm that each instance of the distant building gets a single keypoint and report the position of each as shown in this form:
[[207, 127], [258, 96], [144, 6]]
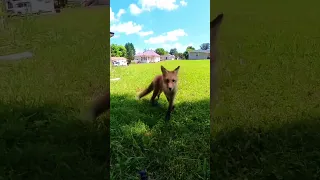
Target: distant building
[[119, 61], [90, 2], [199, 54], [167, 57], [21, 7], [148, 56]]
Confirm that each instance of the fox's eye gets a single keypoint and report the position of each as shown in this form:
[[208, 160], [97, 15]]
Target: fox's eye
[[173, 80]]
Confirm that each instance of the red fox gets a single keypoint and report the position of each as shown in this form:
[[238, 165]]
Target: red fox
[[214, 27], [166, 83]]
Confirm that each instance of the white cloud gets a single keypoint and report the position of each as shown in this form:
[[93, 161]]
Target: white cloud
[[183, 3], [160, 4], [120, 13], [134, 9], [145, 33], [113, 18], [148, 5], [115, 36], [127, 28], [138, 50], [167, 37], [180, 47]]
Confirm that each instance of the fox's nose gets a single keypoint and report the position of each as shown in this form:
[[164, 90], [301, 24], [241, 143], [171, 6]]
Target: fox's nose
[[170, 89]]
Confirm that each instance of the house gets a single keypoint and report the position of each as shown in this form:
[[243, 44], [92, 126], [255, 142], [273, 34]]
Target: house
[[199, 54], [111, 34], [148, 56], [167, 57], [119, 61], [20, 7], [89, 3]]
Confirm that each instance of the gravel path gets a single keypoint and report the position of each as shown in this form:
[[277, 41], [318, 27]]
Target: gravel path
[[16, 56]]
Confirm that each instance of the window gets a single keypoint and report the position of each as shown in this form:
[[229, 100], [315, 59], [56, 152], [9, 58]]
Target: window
[[197, 54], [20, 5], [10, 6]]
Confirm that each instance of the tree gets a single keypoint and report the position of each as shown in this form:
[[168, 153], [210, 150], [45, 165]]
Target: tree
[[118, 50], [205, 46], [160, 51], [190, 48], [186, 53], [130, 52], [180, 56], [173, 51], [3, 15]]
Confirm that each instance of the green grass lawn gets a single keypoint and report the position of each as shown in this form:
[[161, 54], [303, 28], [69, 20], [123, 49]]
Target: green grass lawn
[[267, 121], [41, 98], [141, 139]]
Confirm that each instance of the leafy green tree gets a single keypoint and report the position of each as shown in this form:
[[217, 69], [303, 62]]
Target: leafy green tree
[[180, 56], [186, 53], [130, 52], [173, 51], [205, 46], [118, 50], [160, 51]]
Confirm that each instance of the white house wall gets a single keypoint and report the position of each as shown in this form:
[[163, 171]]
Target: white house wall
[[147, 59], [166, 57], [36, 6], [193, 56]]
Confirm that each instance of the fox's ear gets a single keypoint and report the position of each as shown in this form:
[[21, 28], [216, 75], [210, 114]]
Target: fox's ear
[[164, 70], [176, 70]]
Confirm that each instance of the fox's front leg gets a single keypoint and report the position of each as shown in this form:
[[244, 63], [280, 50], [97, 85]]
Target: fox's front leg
[[170, 108]]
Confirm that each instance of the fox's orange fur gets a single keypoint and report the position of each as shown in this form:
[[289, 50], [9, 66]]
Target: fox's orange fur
[[166, 83]]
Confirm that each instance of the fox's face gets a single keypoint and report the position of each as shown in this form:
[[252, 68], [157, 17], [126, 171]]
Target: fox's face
[[170, 78], [214, 27]]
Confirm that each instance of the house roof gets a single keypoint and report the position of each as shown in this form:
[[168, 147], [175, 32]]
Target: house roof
[[148, 53], [118, 58], [200, 51], [111, 34]]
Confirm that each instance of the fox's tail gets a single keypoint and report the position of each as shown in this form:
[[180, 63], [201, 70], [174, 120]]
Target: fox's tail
[[146, 91]]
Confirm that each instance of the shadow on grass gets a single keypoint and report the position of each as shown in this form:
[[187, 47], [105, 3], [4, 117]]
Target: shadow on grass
[[141, 138], [48, 142], [287, 151]]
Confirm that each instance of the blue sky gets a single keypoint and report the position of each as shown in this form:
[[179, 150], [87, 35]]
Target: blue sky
[[151, 24]]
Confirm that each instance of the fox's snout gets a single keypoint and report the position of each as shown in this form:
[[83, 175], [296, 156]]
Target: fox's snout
[[170, 86]]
